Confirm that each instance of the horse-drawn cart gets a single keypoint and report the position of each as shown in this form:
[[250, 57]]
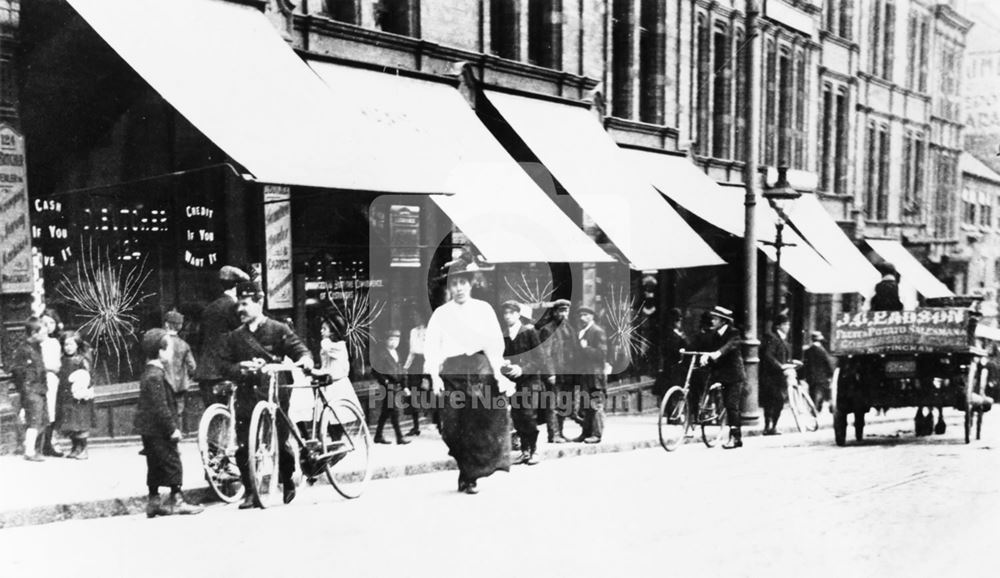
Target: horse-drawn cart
[[924, 358]]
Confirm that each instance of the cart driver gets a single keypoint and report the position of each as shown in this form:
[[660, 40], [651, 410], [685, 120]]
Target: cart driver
[[259, 340]]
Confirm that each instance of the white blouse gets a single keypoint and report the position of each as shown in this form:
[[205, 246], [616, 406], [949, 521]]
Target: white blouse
[[465, 329], [333, 358]]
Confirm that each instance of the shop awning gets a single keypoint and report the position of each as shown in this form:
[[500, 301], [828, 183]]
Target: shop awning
[[496, 204], [825, 235], [573, 146], [226, 69], [689, 187], [912, 273]]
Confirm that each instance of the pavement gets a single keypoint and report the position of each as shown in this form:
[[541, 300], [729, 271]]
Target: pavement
[[112, 481], [894, 505]]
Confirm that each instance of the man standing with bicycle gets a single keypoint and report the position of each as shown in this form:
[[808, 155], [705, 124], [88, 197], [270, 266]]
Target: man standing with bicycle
[[260, 340], [727, 368]]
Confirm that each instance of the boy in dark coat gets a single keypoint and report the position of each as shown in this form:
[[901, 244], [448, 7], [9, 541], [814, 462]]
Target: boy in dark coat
[[389, 374], [591, 356], [28, 369], [523, 364], [773, 358], [156, 421]]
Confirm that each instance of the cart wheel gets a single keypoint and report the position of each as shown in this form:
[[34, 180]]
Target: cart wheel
[[840, 426], [673, 421]]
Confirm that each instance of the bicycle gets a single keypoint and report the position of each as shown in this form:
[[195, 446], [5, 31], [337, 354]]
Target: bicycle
[[678, 416], [803, 409], [217, 445], [337, 432]]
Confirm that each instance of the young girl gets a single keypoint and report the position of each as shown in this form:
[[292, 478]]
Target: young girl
[[76, 393]]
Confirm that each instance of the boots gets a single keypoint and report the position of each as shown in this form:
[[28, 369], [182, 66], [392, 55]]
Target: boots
[[47, 448], [79, 449], [178, 506], [735, 438], [156, 507]]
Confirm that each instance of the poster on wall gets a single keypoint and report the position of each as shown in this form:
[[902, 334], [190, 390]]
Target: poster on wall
[[15, 230], [278, 246]]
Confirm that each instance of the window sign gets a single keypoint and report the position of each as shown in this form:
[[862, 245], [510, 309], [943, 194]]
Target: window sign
[[15, 232], [278, 249], [200, 248]]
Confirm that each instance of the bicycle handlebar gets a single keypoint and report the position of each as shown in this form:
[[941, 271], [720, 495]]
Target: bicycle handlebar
[[684, 352]]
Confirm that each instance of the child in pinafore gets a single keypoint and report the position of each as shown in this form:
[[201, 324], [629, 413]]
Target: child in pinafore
[[156, 421], [75, 410]]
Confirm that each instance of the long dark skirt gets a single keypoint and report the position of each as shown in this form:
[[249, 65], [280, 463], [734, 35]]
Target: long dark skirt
[[73, 415], [163, 462], [474, 420]]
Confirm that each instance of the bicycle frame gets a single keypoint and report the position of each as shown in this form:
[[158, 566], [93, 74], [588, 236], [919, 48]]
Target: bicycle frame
[[703, 398]]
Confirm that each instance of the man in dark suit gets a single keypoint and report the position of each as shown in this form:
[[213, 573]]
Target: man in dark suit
[[559, 343], [257, 341], [591, 357], [523, 364], [218, 319], [388, 371], [818, 365], [774, 356], [727, 369]]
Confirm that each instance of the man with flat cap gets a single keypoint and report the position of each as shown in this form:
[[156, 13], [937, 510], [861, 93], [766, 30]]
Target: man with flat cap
[[218, 319], [523, 365], [559, 343], [591, 357], [257, 341], [723, 341], [817, 365]]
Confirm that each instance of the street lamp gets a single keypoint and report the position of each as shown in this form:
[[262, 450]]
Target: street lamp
[[781, 196]]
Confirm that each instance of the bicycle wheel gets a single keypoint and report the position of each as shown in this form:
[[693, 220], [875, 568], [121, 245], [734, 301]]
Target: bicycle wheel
[[218, 453], [713, 416], [262, 448], [673, 421], [346, 439], [803, 410]]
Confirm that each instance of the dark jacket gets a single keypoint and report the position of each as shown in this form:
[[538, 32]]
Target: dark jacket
[[525, 351], [386, 370], [773, 354], [274, 342], [217, 321], [558, 339], [590, 358], [156, 411], [817, 365], [886, 296], [28, 369], [728, 369], [182, 367]]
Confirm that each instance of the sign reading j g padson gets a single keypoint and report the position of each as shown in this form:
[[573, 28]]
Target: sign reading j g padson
[[15, 230], [927, 330]]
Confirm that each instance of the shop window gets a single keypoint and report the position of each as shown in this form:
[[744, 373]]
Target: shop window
[[721, 84], [505, 28], [344, 10], [652, 61], [113, 262], [545, 33], [622, 25], [398, 17]]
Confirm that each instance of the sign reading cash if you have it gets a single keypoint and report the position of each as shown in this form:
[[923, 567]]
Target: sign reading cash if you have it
[[278, 249], [15, 232]]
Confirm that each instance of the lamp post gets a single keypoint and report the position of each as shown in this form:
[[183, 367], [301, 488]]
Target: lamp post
[[751, 345], [780, 195]]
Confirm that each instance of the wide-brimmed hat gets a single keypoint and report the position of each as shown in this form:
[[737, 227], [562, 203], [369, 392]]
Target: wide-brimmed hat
[[722, 313], [466, 265]]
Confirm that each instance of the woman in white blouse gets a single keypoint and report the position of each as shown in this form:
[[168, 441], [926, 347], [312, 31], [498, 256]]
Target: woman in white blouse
[[463, 354]]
